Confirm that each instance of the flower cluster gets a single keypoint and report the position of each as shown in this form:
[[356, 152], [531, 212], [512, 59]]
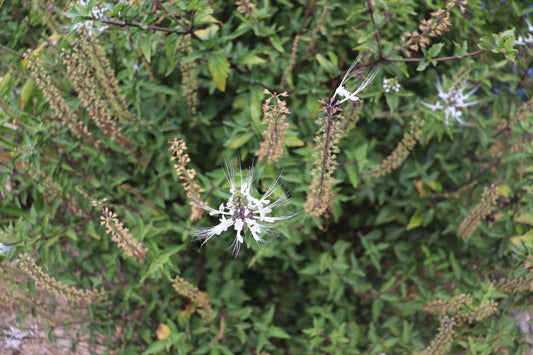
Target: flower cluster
[[243, 211], [453, 100], [275, 112], [118, 232], [391, 85], [434, 27], [90, 26], [187, 176]]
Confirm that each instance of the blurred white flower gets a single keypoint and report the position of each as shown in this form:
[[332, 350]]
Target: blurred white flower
[[343, 92], [97, 11], [523, 40], [4, 248], [529, 26], [453, 100], [13, 336], [90, 26], [243, 211]]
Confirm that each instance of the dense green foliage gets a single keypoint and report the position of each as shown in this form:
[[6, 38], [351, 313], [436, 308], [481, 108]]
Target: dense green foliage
[[448, 215]]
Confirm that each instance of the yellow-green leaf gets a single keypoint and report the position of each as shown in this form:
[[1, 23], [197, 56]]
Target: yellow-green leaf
[[416, 220], [5, 80], [527, 238], [525, 218], [249, 59], [219, 69], [207, 33], [292, 140], [26, 92], [162, 331], [504, 190]]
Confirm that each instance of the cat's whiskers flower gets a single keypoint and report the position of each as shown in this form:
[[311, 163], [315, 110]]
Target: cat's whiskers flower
[[243, 211]]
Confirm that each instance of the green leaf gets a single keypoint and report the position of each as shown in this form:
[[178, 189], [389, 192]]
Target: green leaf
[[146, 47], [387, 214], [435, 50], [240, 141], [326, 64], [219, 69], [392, 101], [292, 140], [156, 347], [353, 175], [422, 65], [310, 270], [269, 315], [276, 42], [277, 332]]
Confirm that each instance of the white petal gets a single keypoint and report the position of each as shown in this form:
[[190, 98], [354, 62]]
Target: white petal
[[239, 224]]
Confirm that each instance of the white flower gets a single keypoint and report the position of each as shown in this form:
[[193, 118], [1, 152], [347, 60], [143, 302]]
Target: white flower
[[522, 41], [343, 92], [5, 248], [453, 100], [243, 212], [529, 26]]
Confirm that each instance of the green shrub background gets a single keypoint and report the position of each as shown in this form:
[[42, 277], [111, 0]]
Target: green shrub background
[[366, 276]]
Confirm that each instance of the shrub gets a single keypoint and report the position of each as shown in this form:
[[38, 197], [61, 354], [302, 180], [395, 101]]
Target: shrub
[[391, 197]]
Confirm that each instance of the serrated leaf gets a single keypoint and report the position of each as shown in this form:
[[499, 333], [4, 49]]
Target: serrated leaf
[[277, 332], [249, 59], [422, 65], [276, 43], [435, 49], [219, 69], [156, 347], [146, 47]]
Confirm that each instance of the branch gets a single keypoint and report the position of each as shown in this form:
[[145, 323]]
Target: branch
[[150, 27]]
